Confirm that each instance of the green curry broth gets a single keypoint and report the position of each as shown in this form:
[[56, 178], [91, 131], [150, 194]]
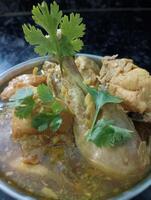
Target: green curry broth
[[62, 174]]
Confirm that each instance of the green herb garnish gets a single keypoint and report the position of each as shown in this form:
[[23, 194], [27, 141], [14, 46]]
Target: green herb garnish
[[101, 98], [55, 123], [44, 93], [24, 110], [65, 43], [41, 106], [106, 134], [43, 121], [103, 132]]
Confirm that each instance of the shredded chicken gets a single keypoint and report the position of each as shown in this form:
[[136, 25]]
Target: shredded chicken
[[88, 68], [126, 80], [52, 71]]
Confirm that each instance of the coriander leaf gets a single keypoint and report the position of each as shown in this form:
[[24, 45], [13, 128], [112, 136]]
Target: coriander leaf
[[66, 48], [41, 121], [72, 30], [75, 26], [106, 134], [55, 123], [34, 36], [56, 107], [102, 97], [49, 19], [21, 94], [123, 135], [25, 108], [43, 127], [44, 93], [77, 44]]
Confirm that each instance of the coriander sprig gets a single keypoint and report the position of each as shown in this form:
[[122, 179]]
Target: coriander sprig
[[25, 108], [44, 121], [44, 93], [50, 20], [40, 105], [104, 132], [101, 98]]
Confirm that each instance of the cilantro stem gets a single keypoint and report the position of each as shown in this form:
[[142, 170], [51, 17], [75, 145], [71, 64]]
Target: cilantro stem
[[69, 65], [58, 54], [61, 65], [94, 120]]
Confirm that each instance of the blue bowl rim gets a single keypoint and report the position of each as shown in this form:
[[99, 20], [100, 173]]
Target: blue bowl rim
[[5, 187]]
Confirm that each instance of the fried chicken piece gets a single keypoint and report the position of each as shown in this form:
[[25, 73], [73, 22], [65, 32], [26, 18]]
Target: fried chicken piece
[[20, 82], [88, 68], [30, 140], [53, 73], [21, 127], [34, 143], [127, 81]]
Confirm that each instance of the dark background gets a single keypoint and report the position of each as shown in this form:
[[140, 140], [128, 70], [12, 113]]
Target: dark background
[[113, 27]]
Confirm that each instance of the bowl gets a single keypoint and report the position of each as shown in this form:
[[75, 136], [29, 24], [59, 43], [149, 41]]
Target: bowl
[[18, 194]]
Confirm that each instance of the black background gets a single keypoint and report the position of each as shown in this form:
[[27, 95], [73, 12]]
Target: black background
[[120, 27]]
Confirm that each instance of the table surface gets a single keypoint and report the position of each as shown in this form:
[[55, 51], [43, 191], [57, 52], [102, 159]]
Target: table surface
[[113, 27]]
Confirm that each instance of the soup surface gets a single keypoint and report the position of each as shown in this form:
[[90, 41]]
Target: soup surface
[[62, 174]]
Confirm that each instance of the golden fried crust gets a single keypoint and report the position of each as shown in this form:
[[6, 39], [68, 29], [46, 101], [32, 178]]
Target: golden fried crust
[[129, 82]]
